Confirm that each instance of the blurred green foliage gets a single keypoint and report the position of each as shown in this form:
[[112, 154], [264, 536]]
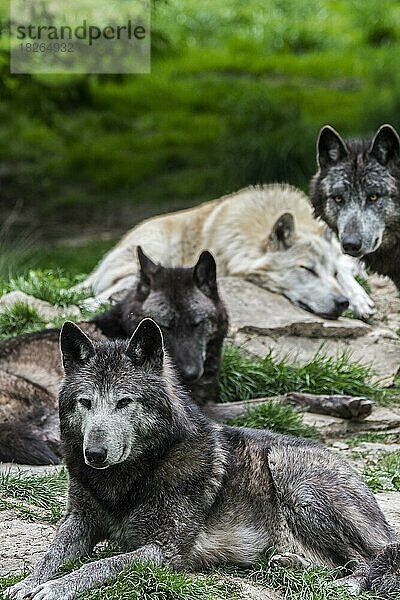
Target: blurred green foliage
[[236, 96]]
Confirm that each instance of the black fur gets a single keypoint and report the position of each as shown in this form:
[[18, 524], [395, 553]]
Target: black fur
[[185, 303]]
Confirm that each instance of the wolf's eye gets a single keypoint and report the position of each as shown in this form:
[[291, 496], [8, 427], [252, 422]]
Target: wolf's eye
[[310, 270], [373, 197], [86, 402], [338, 199], [124, 402], [198, 323]]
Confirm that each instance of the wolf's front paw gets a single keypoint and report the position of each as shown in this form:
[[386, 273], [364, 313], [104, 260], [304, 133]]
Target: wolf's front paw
[[289, 560], [52, 590], [362, 306], [21, 589]]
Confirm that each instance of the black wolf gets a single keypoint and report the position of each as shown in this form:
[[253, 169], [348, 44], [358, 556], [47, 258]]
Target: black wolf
[[356, 191], [148, 470], [186, 304]]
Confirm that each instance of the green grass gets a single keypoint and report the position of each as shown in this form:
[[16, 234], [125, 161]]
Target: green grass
[[35, 497], [310, 584], [243, 378], [74, 260], [371, 437], [236, 95], [145, 581], [50, 286], [383, 475], [141, 581], [20, 318], [278, 417]]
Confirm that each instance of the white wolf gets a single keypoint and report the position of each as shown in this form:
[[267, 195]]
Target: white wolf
[[266, 234]]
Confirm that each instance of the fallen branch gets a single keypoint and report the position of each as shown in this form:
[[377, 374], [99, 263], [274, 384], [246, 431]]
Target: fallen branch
[[344, 407]]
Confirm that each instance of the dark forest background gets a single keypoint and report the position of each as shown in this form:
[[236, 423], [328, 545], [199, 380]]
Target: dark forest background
[[237, 94]]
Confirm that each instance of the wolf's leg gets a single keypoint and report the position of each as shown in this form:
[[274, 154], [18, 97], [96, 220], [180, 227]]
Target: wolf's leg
[[329, 511], [360, 303], [74, 538], [354, 583], [94, 574]]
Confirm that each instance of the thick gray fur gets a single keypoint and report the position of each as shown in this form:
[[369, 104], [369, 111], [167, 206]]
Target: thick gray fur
[[356, 191], [148, 470]]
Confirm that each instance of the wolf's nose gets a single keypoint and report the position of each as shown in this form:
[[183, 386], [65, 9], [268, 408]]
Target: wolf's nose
[[191, 373], [352, 244], [341, 303], [96, 455]]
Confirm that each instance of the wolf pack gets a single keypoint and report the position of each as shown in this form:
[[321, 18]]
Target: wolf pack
[[122, 400]]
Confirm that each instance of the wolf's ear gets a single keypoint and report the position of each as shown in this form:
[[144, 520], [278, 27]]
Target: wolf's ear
[[283, 232], [205, 274], [148, 270], [386, 145], [146, 347], [331, 148], [76, 348]]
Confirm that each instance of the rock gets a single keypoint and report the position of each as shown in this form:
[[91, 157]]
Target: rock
[[340, 446], [272, 314], [372, 448], [261, 321], [28, 470], [381, 419], [46, 310], [249, 591], [390, 505], [23, 543]]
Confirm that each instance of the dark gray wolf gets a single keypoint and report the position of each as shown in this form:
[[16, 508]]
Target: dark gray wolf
[[149, 470], [356, 191], [186, 304]]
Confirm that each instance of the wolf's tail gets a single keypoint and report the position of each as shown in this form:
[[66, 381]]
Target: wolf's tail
[[384, 574], [20, 444]]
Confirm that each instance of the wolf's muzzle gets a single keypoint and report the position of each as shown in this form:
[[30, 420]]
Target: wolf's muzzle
[[352, 245], [96, 456]]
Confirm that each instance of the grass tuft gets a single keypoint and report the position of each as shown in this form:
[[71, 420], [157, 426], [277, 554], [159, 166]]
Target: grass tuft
[[371, 437], [314, 583], [20, 318], [243, 378], [46, 493], [383, 475], [275, 416], [51, 286], [144, 581]]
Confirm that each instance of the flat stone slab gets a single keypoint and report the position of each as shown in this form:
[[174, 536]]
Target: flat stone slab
[[257, 311], [381, 419], [28, 470], [261, 322], [390, 506], [22, 542]]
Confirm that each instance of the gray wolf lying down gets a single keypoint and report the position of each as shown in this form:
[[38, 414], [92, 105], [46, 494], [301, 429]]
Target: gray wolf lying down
[[265, 234], [148, 470]]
